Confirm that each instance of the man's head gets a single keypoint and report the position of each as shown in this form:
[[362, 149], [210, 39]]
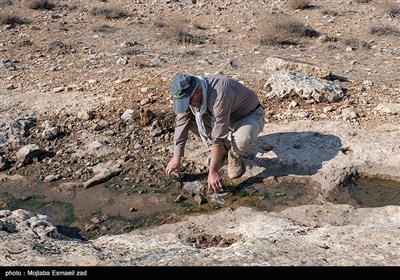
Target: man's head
[[182, 89]]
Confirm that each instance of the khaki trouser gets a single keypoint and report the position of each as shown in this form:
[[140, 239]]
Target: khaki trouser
[[242, 135]]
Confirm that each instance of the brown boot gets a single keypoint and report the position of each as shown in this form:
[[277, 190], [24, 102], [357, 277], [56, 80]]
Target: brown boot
[[235, 166]]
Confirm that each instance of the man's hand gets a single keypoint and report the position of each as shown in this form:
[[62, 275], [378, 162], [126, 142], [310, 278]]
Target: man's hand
[[174, 165], [215, 182]]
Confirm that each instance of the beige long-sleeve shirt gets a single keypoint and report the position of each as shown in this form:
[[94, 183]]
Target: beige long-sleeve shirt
[[227, 102]]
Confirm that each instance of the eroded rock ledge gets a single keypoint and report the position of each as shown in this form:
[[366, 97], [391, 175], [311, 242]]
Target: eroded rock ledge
[[322, 235]]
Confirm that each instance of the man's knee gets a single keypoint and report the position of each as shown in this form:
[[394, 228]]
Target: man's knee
[[243, 139], [243, 143]]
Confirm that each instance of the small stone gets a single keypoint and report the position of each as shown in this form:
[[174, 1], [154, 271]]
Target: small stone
[[200, 199], [180, 198], [90, 227], [58, 89], [278, 194], [10, 86]]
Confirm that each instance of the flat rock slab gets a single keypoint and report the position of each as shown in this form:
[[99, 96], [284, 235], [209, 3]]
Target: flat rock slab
[[326, 152], [314, 235]]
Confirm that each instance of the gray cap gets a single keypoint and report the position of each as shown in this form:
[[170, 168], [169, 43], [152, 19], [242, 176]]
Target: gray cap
[[182, 89]]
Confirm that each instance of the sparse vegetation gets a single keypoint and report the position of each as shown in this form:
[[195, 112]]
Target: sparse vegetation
[[5, 3], [132, 52], [73, 7], [59, 47], [331, 47], [105, 28], [178, 30], [56, 45], [363, 1], [280, 30], [189, 53], [113, 11], [198, 26], [159, 22], [391, 8], [357, 44], [12, 20], [329, 12], [141, 62], [299, 4], [384, 31], [25, 43], [40, 5]]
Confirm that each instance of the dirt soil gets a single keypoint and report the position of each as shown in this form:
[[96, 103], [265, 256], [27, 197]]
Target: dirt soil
[[83, 64]]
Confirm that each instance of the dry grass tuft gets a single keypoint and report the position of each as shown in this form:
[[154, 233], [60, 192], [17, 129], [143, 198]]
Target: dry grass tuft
[[113, 11], [179, 30], [105, 28], [299, 4], [5, 3], [391, 8], [159, 22], [13, 20], [357, 44], [60, 48], [40, 5], [384, 31], [282, 30], [329, 12], [141, 62], [73, 7]]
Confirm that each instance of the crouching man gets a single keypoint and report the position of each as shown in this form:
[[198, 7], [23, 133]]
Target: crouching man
[[223, 113]]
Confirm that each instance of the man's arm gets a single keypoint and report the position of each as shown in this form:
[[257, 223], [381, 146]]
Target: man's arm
[[217, 153], [215, 181], [182, 123], [180, 138]]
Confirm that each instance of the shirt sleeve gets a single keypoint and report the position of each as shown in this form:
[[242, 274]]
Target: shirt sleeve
[[182, 123]]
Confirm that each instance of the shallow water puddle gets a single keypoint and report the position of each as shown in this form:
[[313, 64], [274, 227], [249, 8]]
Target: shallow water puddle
[[368, 192], [86, 213], [278, 195], [115, 208]]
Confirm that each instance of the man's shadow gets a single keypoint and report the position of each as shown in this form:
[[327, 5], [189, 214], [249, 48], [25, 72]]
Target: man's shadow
[[289, 153]]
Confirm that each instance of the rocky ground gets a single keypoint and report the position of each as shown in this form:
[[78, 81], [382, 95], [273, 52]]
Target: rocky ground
[[86, 117]]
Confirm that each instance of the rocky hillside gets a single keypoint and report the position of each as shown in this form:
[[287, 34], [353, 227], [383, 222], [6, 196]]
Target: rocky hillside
[[86, 121]]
